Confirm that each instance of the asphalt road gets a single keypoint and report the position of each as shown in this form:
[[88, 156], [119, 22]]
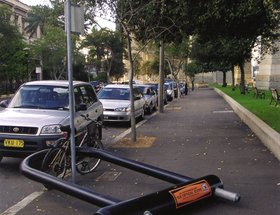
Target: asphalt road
[[197, 135]]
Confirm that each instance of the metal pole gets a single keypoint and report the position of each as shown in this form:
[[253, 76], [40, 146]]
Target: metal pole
[[71, 91], [161, 78], [26, 50], [27, 68]]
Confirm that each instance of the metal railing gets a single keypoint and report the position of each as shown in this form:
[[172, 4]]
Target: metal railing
[[186, 190]]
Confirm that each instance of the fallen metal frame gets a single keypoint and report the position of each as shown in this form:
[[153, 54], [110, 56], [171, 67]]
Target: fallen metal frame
[[186, 190]]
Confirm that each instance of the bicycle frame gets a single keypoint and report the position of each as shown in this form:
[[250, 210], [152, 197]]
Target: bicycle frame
[[56, 159], [62, 151]]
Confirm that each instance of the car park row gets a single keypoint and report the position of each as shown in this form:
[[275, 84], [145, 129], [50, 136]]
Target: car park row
[[32, 119]]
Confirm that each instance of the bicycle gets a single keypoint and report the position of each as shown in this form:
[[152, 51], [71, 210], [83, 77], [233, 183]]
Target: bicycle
[[57, 160]]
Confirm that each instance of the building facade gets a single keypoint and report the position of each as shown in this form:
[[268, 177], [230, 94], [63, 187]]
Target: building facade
[[19, 14], [268, 75]]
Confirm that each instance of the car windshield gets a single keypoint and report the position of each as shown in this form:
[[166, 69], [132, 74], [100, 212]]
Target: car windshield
[[167, 86], [41, 97], [114, 93], [155, 87]]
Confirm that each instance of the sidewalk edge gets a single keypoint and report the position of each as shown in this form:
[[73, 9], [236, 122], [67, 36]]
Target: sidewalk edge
[[264, 132]]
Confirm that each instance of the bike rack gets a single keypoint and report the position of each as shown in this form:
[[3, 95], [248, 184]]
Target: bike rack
[[186, 191]]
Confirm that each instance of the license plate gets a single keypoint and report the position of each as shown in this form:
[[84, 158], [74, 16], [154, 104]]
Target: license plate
[[106, 117], [13, 143]]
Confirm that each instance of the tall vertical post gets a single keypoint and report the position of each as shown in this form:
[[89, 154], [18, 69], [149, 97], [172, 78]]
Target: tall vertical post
[[161, 77], [71, 90], [26, 53]]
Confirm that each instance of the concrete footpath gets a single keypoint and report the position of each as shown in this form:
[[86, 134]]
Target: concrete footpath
[[196, 135]]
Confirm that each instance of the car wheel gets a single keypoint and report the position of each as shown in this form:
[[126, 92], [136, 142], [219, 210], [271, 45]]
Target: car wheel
[[155, 107], [142, 113], [150, 108]]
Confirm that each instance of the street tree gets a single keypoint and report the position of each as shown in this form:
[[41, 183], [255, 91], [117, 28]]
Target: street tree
[[244, 24], [214, 55], [12, 57], [52, 48], [191, 70], [150, 68], [44, 15], [105, 51], [40, 16], [176, 54], [125, 11], [51, 22], [143, 21]]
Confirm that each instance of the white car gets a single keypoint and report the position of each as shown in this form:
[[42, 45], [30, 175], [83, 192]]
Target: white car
[[116, 102], [31, 121], [169, 90], [150, 95]]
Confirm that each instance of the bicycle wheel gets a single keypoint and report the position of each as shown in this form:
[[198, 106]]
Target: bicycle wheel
[[54, 163], [88, 164]]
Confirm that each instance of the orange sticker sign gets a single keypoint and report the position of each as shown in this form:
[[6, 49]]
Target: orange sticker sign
[[191, 193]]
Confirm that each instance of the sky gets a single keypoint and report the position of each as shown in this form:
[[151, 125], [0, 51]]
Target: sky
[[35, 2]]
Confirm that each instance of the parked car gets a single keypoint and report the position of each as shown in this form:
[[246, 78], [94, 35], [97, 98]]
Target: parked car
[[169, 90], [96, 85], [116, 102], [182, 88], [31, 121], [176, 89], [150, 97], [155, 86]]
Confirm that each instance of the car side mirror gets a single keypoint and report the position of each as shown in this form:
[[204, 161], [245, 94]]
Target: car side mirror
[[4, 103], [81, 107]]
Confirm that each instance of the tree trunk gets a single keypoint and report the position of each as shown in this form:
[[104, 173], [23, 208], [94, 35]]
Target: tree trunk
[[242, 78], [233, 80], [170, 67], [224, 78], [109, 62], [132, 108], [192, 80]]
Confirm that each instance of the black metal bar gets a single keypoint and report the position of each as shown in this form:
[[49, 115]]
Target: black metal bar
[[62, 185], [186, 190], [147, 169], [167, 201], [156, 172]]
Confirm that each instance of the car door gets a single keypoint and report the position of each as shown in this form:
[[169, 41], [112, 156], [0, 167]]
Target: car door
[[79, 121], [138, 101], [154, 96], [94, 106]]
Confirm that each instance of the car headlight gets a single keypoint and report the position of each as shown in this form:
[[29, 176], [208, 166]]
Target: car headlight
[[169, 92], [51, 129], [122, 109]]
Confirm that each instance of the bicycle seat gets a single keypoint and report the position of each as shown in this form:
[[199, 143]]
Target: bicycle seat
[[65, 128]]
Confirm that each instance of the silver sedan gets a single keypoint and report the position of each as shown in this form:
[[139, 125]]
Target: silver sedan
[[116, 102]]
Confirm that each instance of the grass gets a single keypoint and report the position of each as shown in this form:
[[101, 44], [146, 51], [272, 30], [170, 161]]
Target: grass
[[260, 107]]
